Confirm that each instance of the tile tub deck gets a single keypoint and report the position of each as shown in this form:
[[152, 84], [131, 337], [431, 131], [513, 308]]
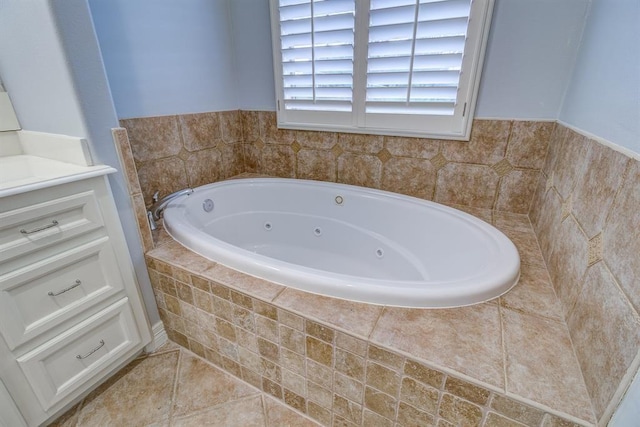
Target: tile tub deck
[[509, 361]]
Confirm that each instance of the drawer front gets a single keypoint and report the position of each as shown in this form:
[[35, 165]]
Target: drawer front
[[37, 226], [41, 296], [68, 362]]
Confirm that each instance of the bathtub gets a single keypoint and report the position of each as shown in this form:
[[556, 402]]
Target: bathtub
[[347, 242]]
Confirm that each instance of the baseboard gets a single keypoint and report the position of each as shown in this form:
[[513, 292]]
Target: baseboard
[[160, 338]]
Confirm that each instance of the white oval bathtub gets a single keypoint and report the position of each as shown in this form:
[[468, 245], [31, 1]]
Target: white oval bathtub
[[347, 242]]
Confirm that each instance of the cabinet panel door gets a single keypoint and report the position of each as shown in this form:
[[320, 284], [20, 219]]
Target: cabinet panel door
[[36, 298], [61, 366], [44, 224]]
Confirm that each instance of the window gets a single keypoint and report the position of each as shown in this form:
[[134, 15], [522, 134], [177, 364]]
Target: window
[[396, 67]]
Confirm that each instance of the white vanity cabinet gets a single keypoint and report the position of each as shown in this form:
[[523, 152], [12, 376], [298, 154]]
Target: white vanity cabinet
[[70, 309]]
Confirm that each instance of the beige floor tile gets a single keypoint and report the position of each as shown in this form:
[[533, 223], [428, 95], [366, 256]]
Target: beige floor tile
[[541, 365], [278, 415], [142, 396], [202, 386], [245, 412], [69, 418], [533, 294], [527, 244], [354, 317], [467, 340], [512, 221]]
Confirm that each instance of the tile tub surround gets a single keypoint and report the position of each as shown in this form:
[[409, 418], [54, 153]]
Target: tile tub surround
[[348, 363], [497, 169], [175, 152], [586, 213]]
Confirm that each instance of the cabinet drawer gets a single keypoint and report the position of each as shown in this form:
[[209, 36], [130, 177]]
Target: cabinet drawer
[[39, 297], [37, 226], [69, 362]]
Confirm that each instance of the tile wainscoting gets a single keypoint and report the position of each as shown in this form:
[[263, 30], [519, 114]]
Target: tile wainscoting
[[582, 197], [586, 214], [497, 169]]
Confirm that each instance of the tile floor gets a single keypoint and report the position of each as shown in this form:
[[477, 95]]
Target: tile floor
[[174, 387]]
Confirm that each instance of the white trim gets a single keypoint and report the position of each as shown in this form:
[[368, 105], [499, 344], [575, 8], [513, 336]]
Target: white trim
[[159, 339], [64, 148], [369, 131], [619, 148], [9, 413], [8, 119]]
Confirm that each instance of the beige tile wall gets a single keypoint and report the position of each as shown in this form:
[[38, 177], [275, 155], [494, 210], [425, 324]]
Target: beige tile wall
[[497, 169], [586, 213], [175, 152], [585, 210], [123, 147]]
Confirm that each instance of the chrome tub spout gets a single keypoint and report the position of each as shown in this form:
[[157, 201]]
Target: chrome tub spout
[[155, 210]]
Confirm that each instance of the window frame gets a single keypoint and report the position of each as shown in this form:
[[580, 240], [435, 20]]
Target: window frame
[[453, 127]]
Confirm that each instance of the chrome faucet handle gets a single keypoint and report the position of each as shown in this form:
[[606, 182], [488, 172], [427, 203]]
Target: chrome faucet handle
[[156, 196]]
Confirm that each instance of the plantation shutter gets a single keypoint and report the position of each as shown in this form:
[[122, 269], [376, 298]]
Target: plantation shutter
[[415, 55], [317, 39], [390, 67]]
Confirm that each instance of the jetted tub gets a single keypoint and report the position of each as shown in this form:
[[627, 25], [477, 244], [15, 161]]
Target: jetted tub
[[347, 242]]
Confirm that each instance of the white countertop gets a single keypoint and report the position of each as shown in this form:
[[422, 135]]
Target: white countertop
[[22, 173]]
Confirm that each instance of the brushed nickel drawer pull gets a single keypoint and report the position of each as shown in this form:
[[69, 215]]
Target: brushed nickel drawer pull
[[75, 285], [79, 356], [44, 227]]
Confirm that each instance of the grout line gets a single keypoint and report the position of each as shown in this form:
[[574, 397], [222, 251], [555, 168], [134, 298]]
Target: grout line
[[375, 325], [280, 292], [219, 405], [620, 289], [265, 414], [504, 349], [623, 180], [175, 386]]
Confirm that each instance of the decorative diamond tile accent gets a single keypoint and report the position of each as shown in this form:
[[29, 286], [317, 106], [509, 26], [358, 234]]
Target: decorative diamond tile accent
[[337, 150], [184, 154], [295, 147], [221, 145], [384, 155], [567, 206], [549, 183], [595, 253], [259, 144], [502, 168], [439, 161]]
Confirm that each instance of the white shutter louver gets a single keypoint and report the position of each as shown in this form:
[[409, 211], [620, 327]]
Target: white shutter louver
[[389, 67], [317, 38], [415, 55]]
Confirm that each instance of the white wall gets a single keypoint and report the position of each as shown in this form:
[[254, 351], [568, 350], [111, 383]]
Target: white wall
[[253, 54], [531, 52], [604, 95], [51, 66], [75, 27], [530, 55], [166, 57], [34, 71]]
